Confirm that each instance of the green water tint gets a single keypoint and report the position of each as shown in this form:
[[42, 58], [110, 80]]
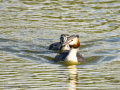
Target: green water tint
[[27, 28], [69, 63]]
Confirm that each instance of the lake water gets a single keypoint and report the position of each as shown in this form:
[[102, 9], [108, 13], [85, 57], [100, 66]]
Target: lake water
[[28, 27]]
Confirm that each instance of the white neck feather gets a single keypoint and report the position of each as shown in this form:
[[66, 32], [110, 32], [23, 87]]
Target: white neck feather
[[66, 47], [72, 56]]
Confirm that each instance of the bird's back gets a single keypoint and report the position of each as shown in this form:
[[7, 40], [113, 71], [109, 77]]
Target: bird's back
[[61, 56], [55, 46], [80, 58]]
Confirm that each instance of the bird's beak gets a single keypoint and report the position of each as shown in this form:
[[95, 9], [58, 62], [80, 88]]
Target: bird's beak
[[67, 42]]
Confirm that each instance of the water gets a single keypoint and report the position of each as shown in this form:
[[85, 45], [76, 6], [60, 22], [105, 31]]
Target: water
[[28, 27]]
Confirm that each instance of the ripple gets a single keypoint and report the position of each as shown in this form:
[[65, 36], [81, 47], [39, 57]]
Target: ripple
[[28, 27]]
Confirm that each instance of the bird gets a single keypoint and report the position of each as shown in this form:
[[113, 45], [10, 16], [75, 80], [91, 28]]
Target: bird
[[58, 45], [71, 55]]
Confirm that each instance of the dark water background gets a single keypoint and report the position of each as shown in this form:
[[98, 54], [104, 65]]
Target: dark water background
[[28, 27]]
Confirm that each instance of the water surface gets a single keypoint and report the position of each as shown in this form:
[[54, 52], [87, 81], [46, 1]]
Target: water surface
[[28, 27]]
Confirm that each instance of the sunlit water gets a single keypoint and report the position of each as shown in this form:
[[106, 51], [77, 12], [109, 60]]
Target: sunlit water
[[28, 27]]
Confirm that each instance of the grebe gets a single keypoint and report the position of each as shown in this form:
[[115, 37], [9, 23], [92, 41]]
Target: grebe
[[58, 45], [70, 55]]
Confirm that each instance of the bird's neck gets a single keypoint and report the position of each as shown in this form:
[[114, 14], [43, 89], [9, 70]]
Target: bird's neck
[[72, 56], [66, 47]]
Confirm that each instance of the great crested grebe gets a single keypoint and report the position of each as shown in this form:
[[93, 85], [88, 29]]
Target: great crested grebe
[[70, 55], [58, 45]]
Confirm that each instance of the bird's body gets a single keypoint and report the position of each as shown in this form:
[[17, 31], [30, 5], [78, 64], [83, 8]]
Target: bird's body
[[58, 45], [70, 55], [55, 46]]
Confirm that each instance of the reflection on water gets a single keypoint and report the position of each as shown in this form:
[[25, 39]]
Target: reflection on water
[[72, 71], [28, 27]]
